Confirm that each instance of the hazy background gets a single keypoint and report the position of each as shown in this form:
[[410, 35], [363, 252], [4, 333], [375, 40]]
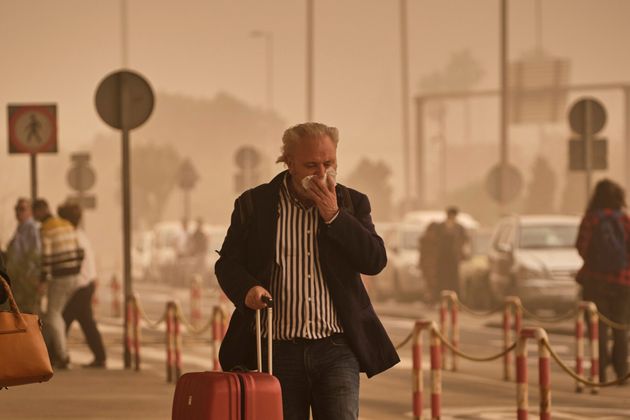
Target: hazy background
[[209, 77]]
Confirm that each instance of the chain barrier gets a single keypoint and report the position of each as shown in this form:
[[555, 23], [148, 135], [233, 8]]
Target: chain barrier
[[475, 313], [612, 323], [579, 378], [405, 341], [569, 315], [153, 325], [190, 328], [460, 353]]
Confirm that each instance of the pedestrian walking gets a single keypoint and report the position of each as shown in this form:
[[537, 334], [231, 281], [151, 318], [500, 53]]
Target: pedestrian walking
[[428, 250], [452, 247], [60, 267], [604, 243], [304, 240], [79, 307], [23, 258]]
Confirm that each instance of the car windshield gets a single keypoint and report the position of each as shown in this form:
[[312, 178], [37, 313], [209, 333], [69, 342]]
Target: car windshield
[[551, 236]]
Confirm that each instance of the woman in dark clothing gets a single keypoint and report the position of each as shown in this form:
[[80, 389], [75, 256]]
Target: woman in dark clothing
[[604, 244]]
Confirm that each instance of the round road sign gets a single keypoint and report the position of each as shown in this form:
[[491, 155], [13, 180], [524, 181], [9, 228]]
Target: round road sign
[[513, 183], [124, 100], [81, 178], [247, 157], [587, 110]]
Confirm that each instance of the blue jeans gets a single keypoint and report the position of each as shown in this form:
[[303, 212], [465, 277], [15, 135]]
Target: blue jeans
[[322, 375], [60, 290]]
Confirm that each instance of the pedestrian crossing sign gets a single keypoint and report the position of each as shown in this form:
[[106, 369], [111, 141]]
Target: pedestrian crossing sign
[[32, 128]]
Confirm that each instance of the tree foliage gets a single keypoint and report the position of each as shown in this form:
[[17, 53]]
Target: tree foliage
[[154, 169], [372, 178]]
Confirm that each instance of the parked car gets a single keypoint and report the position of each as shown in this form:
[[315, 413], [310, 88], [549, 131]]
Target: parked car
[[534, 257], [169, 261], [474, 272], [401, 279]]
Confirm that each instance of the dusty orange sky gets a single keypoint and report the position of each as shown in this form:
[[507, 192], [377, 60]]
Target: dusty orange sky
[[59, 50]]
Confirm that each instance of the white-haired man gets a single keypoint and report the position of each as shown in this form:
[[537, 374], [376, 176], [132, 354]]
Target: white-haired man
[[303, 240]]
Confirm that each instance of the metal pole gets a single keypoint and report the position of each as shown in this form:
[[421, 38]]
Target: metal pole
[[124, 33], [420, 187], [588, 144], [126, 187], [33, 177], [503, 148], [626, 94], [187, 205], [404, 85], [269, 42], [309, 60]]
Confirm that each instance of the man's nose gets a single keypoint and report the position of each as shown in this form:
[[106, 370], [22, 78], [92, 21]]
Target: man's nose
[[320, 171]]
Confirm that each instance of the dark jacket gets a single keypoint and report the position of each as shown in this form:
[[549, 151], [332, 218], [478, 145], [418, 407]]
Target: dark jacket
[[347, 247]]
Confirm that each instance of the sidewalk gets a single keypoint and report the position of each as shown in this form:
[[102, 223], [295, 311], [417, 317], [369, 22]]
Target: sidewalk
[[91, 394], [103, 394]]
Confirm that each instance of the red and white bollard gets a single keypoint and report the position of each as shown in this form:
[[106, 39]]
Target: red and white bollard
[[170, 341], [544, 377], [195, 301], [178, 342], [449, 299], [218, 332], [115, 287], [591, 309], [512, 304], [436, 370]]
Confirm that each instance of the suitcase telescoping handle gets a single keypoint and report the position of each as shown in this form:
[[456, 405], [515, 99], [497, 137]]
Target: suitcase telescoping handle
[[269, 302]]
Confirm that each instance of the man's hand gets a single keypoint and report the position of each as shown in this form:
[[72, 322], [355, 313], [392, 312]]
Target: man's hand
[[324, 197], [253, 299]]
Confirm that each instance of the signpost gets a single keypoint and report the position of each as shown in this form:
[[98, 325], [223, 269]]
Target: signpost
[[586, 152], [124, 100], [187, 178], [32, 130], [504, 184], [247, 159], [81, 177]]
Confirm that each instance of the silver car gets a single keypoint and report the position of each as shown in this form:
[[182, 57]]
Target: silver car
[[534, 257]]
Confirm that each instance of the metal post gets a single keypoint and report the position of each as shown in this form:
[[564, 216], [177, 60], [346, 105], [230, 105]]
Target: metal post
[[124, 33], [309, 60], [626, 95], [33, 177], [419, 156], [187, 205], [588, 144], [503, 145], [269, 42], [126, 235], [404, 79]]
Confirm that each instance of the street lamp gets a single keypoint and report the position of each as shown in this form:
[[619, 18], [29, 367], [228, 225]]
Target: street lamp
[[267, 36]]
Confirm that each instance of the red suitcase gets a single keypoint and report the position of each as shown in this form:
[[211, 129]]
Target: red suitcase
[[230, 395]]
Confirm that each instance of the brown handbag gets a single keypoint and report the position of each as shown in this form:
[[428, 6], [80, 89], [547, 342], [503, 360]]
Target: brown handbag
[[23, 354]]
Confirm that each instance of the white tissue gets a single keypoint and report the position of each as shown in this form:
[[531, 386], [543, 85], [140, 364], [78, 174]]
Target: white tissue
[[330, 173]]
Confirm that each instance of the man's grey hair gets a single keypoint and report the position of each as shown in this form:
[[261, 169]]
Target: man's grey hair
[[310, 130]]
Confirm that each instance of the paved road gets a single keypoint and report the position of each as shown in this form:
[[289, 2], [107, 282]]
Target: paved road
[[475, 392]]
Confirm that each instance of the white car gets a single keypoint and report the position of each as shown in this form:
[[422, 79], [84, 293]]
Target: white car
[[169, 262], [401, 279], [534, 257]]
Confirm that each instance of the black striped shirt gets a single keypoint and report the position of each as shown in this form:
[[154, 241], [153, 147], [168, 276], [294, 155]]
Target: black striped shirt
[[304, 307]]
